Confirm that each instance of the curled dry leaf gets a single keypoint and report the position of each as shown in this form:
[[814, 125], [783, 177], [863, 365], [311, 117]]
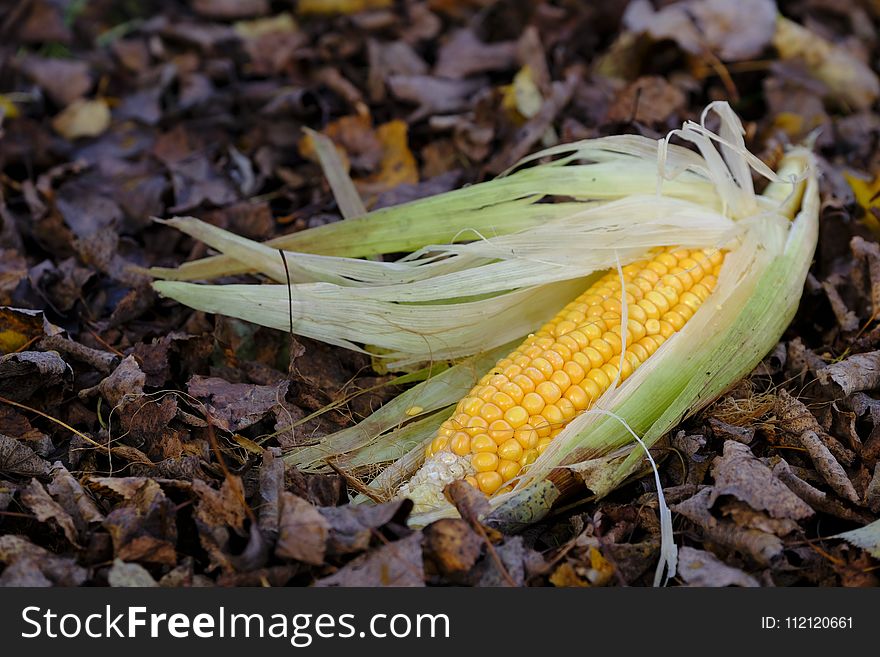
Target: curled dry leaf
[[701, 568], [393, 564], [739, 474], [144, 527], [352, 527], [126, 381], [37, 499], [759, 545], [817, 499], [25, 372], [828, 466], [795, 418], [854, 374], [303, 531], [18, 459]]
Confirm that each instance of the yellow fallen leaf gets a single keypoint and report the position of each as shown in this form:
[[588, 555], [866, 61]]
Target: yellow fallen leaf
[[323, 7], [522, 99], [83, 118], [398, 164], [8, 109], [258, 27], [867, 195]]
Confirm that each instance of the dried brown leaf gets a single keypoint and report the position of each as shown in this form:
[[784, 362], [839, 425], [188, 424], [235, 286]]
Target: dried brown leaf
[[392, 564], [35, 498], [759, 545], [303, 531], [828, 466], [16, 458], [701, 568], [451, 546], [739, 474], [352, 526]]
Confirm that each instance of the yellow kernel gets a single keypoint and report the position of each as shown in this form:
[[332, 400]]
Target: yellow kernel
[[612, 304], [626, 370], [652, 327], [533, 402], [503, 401], [591, 388], [542, 427], [686, 279], [470, 405], [439, 443], [569, 343], [599, 377], [649, 275], [561, 379], [657, 267], [710, 282], [491, 412], [513, 391], [543, 444], [485, 392], [675, 320], [637, 350], [516, 416], [610, 370], [672, 282], [659, 301], [522, 361], [579, 399], [564, 327], [472, 481], [691, 300], [592, 329], [553, 415], [460, 443], [475, 425], [701, 291], [604, 349], [511, 371], [510, 450], [526, 436], [637, 313], [556, 361], [508, 469], [489, 482], [667, 259], [484, 461], [613, 339], [483, 443], [566, 408], [650, 309], [524, 383], [499, 431], [549, 391], [580, 337], [643, 284], [667, 330], [636, 331], [575, 372], [535, 374], [529, 456]]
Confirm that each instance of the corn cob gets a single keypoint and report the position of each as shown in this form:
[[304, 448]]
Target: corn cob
[[509, 418]]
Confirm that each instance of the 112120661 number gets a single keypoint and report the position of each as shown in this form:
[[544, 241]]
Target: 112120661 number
[[818, 622]]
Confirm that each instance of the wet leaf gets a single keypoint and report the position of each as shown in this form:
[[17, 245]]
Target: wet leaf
[[23, 373]]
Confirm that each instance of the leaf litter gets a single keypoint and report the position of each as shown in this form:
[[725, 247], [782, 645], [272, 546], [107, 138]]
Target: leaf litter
[[141, 443]]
